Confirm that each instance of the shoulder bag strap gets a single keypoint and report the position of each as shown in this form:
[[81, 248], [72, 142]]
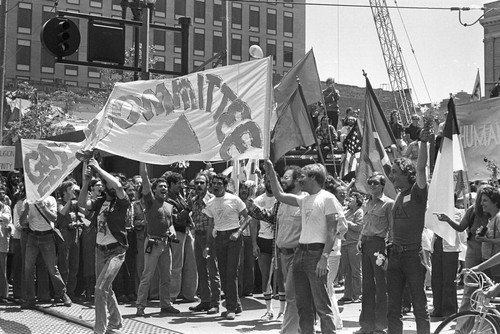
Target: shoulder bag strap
[[41, 213]]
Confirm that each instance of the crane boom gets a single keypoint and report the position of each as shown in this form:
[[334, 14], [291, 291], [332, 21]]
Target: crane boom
[[393, 59]]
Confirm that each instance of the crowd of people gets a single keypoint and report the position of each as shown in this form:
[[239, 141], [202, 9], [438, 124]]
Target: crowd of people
[[294, 238]]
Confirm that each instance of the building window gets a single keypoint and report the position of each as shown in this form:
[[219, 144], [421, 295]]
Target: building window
[[96, 3], [71, 83], [199, 42], [235, 47], [218, 13], [197, 63], [253, 41], [288, 54], [159, 38], [254, 19], [71, 70], [23, 55], [93, 85], [93, 73], [199, 11], [287, 24], [24, 18], [73, 2], [271, 49], [46, 80], [217, 42], [22, 78], [180, 8], [177, 42], [177, 65], [161, 8], [288, 3], [116, 5], [47, 62], [236, 15], [271, 21], [159, 62]]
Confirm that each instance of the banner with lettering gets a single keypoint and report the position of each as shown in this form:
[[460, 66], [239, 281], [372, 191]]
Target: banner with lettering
[[7, 157], [46, 164], [214, 115], [479, 125]]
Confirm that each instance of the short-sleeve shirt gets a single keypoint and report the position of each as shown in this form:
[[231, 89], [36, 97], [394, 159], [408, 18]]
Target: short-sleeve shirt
[[378, 216], [314, 209], [225, 211], [266, 230], [158, 215], [37, 222], [409, 215]]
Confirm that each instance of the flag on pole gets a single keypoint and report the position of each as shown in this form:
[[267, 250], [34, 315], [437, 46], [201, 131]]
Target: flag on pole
[[293, 127], [476, 90], [376, 136], [352, 147], [450, 159]]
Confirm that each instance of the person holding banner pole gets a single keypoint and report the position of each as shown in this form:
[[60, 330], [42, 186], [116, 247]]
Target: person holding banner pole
[[111, 243]]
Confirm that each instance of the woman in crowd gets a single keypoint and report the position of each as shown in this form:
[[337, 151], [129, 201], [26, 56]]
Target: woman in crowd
[[474, 220], [327, 136]]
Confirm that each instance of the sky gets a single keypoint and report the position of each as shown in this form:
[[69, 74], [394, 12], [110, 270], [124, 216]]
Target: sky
[[345, 42]]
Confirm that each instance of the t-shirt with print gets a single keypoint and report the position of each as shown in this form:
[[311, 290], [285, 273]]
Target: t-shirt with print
[[225, 211], [314, 210], [266, 230], [104, 235], [111, 220]]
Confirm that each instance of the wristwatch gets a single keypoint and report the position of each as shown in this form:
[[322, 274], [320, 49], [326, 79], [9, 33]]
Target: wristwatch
[[325, 255]]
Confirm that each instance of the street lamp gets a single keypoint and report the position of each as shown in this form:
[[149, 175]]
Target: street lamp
[[138, 7]]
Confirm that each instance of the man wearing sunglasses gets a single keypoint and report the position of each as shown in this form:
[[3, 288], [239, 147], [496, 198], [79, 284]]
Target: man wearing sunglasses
[[376, 222]]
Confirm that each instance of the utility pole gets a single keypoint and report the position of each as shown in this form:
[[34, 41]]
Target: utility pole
[[3, 37]]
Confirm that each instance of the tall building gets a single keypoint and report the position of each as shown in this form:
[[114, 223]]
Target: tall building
[[278, 28], [491, 25]]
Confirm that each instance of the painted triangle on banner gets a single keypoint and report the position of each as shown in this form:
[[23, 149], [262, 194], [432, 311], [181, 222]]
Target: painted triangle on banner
[[180, 138]]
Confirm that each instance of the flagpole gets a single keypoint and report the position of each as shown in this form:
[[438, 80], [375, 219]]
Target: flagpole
[[309, 117]]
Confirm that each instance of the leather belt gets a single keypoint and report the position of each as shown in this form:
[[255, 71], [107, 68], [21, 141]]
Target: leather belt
[[227, 232], [107, 247], [406, 248], [314, 246]]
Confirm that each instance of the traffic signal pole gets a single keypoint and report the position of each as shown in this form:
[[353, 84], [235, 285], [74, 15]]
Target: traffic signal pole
[[145, 43], [3, 37]]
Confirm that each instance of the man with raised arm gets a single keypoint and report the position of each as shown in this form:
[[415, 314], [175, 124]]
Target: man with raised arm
[[111, 243], [320, 211]]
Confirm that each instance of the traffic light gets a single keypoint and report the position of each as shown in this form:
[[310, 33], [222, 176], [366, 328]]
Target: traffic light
[[60, 36]]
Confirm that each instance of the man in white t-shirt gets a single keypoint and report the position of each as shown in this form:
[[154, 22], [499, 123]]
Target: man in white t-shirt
[[320, 212], [224, 211]]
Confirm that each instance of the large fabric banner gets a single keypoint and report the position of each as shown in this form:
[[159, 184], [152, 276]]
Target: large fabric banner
[[46, 164], [218, 114], [479, 125]]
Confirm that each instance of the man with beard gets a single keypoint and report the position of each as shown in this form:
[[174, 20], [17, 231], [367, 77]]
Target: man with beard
[[320, 211], [111, 243], [157, 251], [224, 211], [208, 273], [288, 225]]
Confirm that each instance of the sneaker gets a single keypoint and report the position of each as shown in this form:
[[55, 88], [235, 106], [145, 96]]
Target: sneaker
[[237, 311], [113, 329], [169, 310], [268, 316], [230, 315], [280, 316], [140, 311], [213, 310], [200, 307]]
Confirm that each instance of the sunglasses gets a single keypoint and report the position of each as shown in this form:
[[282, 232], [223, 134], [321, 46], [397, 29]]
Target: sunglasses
[[373, 183], [199, 182]]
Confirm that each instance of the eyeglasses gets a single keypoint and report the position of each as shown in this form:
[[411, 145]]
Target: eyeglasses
[[373, 182], [199, 182]]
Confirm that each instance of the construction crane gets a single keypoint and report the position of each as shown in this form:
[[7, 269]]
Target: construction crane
[[393, 59]]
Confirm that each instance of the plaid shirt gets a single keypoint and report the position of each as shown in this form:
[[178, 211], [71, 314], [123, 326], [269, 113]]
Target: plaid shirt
[[267, 215], [200, 219]]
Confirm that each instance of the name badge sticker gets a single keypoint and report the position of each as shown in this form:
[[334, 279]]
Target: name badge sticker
[[406, 199]]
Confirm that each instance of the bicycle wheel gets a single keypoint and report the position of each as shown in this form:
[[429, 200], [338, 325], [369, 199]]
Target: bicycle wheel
[[468, 322]]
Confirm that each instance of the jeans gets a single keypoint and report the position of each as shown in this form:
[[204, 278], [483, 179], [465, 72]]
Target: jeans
[[351, 260], [312, 292], [17, 269], [107, 266], [333, 270], [228, 255], [246, 268], [46, 246], [406, 267], [472, 258], [208, 273], [4, 285], [69, 258], [291, 318], [373, 315], [444, 273], [160, 258], [183, 276]]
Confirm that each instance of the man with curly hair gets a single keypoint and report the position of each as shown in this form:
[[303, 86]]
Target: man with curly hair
[[405, 264]]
